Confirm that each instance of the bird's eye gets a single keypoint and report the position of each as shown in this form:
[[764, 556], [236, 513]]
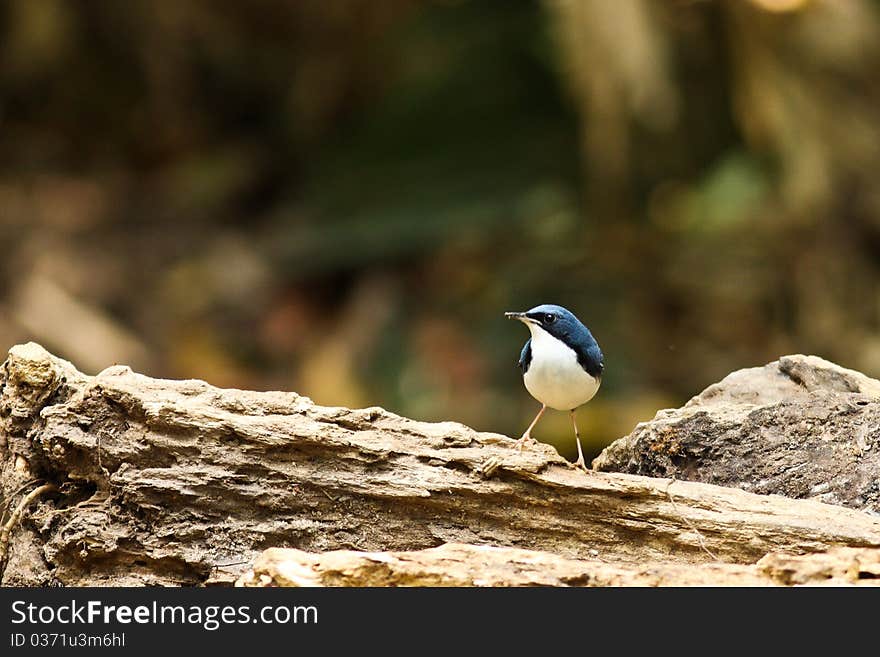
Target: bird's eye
[[549, 318]]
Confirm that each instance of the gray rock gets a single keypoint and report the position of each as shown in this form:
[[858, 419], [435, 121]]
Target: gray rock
[[801, 427]]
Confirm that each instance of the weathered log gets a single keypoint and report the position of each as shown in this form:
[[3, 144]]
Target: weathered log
[[456, 564], [178, 482]]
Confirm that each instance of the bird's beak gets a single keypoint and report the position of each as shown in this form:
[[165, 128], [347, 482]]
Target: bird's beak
[[520, 316]]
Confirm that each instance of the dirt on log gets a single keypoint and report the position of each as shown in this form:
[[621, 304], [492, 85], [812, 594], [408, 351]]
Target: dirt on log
[[122, 479]]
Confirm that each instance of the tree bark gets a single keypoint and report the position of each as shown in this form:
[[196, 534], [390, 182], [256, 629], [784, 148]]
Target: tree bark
[[177, 482]]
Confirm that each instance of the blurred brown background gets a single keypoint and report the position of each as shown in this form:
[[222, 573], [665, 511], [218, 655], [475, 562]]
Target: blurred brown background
[[341, 198]]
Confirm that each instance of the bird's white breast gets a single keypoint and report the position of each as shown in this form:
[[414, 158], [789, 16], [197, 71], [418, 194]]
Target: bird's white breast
[[554, 376]]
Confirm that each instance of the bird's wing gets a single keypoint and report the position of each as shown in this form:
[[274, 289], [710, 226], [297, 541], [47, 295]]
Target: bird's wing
[[525, 356], [591, 359], [589, 354]]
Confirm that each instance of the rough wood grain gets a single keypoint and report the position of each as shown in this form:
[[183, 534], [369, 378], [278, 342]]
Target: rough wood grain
[[456, 564], [176, 482]]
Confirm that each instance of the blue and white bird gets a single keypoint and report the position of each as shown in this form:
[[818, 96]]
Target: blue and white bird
[[562, 364]]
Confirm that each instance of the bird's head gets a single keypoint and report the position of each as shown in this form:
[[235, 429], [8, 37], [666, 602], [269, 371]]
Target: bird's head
[[555, 320]]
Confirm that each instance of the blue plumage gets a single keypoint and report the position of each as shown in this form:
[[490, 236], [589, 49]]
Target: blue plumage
[[569, 329], [525, 356]]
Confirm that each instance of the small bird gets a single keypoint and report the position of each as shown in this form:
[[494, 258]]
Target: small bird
[[562, 364]]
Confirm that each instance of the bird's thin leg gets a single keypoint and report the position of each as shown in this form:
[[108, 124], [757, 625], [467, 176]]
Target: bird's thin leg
[[580, 463], [527, 436]]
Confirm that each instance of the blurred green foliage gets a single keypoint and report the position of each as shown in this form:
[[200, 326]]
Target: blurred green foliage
[[342, 198]]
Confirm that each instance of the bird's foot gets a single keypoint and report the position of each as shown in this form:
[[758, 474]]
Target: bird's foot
[[581, 465], [524, 442]]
